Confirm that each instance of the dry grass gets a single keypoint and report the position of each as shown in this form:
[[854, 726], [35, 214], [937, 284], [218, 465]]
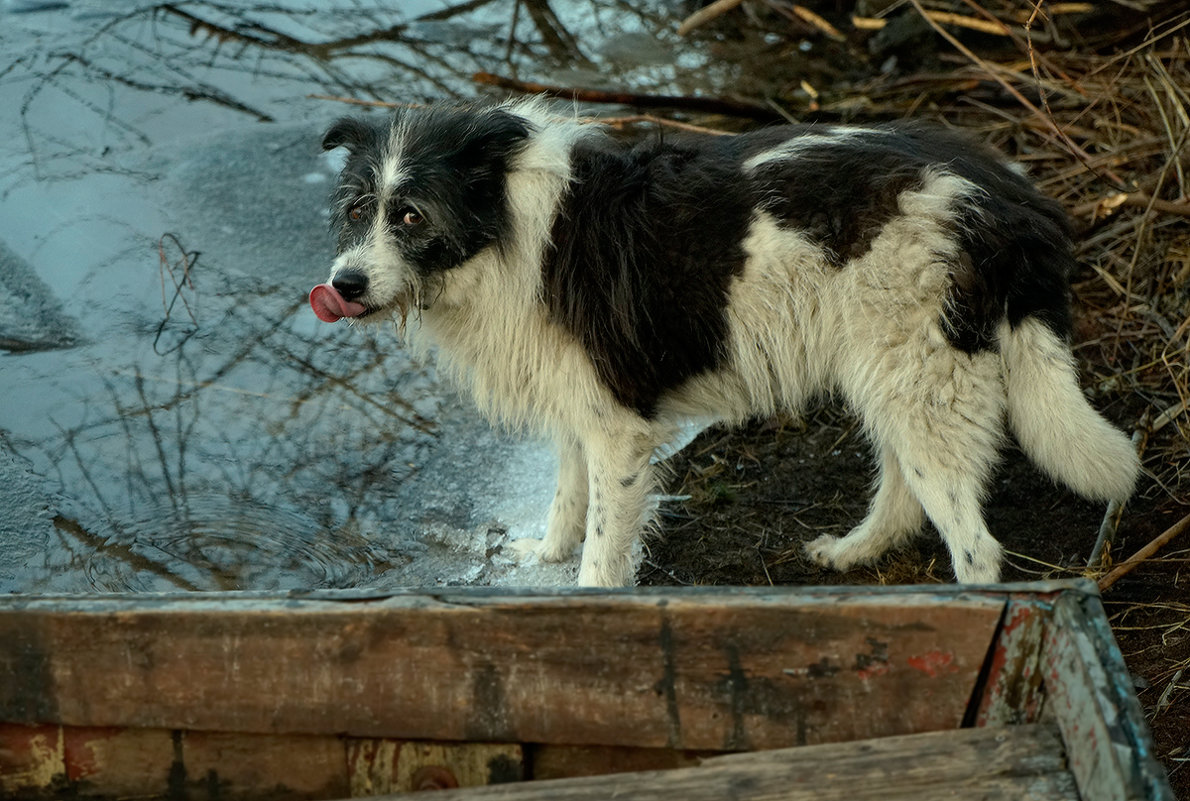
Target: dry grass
[[1107, 135]]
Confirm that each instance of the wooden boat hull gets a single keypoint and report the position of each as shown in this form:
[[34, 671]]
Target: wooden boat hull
[[350, 693]]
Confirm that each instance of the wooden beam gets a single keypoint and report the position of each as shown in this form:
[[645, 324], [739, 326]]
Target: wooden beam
[[721, 670], [1021, 763], [53, 762], [1014, 685], [1090, 697]]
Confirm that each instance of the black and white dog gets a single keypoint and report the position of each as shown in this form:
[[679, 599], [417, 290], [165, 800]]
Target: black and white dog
[[602, 292]]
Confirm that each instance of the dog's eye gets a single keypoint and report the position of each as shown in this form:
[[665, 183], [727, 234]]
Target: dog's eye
[[356, 212], [412, 217]]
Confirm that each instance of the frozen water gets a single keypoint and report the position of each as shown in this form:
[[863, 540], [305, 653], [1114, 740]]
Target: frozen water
[[218, 437], [25, 6], [26, 527], [172, 415], [31, 318]]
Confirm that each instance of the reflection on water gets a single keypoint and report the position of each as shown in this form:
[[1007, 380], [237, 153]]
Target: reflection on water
[[207, 432], [218, 543]]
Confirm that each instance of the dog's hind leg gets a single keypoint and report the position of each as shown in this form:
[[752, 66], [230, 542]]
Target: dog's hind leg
[[946, 433], [938, 412], [621, 479], [894, 515], [952, 500]]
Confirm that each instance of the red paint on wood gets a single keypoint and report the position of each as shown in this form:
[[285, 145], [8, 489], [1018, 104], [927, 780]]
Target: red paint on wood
[[79, 749], [30, 757], [934, 663]]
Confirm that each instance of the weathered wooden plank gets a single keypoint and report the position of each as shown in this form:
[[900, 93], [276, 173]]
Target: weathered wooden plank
[[1010, 763], [1014, 685], [390, 766], [763, 784], [228, 766], [32, 758], [1089, 695], [161, 764], [942, 756], [103, 762], [51, 762], [721, 671], [570, 761]]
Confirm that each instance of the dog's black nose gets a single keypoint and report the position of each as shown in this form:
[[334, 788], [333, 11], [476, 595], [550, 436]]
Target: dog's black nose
[[351, 284]]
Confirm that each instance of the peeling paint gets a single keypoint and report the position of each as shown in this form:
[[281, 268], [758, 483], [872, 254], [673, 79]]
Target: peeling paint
[[31, 757], [934, 663]]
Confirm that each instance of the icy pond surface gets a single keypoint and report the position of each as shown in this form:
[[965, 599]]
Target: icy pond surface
[[172, 415]]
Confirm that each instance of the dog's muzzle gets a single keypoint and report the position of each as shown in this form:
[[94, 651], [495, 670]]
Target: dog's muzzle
[[339, 298]]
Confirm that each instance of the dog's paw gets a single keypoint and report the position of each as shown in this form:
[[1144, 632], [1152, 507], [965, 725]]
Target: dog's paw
[[977, 562], [617, 573], [528, 548], [825, 551], [525, 549]]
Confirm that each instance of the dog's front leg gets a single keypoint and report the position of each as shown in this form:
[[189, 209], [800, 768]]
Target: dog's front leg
[[620, 480], [568, 512], [567, 521]]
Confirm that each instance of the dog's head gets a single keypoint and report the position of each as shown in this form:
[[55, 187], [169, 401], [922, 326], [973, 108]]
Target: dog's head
[[419, 196]]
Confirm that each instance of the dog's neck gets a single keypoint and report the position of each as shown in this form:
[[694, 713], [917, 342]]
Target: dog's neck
[[489, 322]]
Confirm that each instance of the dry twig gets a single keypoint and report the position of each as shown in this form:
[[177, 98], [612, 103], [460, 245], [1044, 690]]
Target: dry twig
[[996, 75], [1143, 555], [706, 14]]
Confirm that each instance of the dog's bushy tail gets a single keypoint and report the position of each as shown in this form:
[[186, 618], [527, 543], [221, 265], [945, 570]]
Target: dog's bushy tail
[[1054, 423]]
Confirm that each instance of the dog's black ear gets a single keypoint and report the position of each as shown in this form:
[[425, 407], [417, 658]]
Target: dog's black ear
[[349, 132], [494, 138], [503, 132]]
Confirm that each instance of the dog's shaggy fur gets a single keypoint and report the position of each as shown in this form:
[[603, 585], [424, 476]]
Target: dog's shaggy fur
[[601, 292]]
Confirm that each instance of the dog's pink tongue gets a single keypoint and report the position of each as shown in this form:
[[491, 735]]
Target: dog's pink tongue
[[330, 306]]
